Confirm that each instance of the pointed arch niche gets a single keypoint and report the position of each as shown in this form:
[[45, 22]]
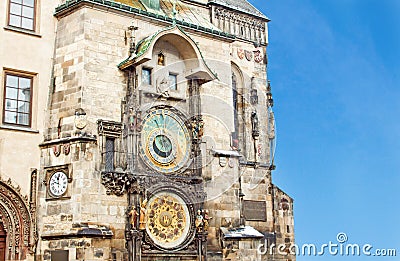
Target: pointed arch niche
[[238, 89], [175, 36], [17, 227]]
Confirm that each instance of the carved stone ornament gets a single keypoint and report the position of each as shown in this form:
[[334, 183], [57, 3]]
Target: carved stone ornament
[[66, 149], [16, 216], [134, 120], [240, 53], [57, 150], [116, 183], [258, 56], [109, 128], [249, 55], [80, 120], [254, 124], [222, 161], [162, 86]]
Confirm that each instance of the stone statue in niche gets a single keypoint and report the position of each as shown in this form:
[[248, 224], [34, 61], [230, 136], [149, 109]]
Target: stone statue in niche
[[161, 59], [134, 120], [254, 125], [162, 87], [206, 217], [197, 126], [199, 221], [133, 214]]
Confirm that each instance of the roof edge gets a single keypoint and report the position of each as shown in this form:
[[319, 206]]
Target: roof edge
[[263, 17], [119, 7]]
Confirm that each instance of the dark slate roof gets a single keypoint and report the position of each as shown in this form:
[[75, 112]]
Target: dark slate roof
[[240, 5]]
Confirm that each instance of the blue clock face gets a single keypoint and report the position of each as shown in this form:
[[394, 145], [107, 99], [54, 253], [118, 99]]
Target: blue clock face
[[165, 141], [162, 145]]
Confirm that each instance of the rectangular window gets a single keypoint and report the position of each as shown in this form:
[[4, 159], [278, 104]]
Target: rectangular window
[[146, 76], [173, 81], [17, 99], [22, 14], [109, 154]]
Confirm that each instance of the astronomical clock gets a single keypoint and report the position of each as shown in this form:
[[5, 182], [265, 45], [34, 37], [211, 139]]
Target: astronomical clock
[[165, 141], [168, 189], [168, 220]]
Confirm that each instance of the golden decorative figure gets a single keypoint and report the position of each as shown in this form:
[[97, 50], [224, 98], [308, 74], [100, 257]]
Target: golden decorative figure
[[161, 59], [199, 220], [133, 214], [206, 219], [142, 217]]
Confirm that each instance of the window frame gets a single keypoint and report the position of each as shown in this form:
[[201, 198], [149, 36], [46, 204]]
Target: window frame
[[19, 74], [34, 18], [109, 154], [150, 70], [175, 86]]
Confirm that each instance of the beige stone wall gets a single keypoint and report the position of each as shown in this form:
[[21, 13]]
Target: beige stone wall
[[30, 52], [90, 44]]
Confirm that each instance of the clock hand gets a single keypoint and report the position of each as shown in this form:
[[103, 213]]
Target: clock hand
[[157, 123]]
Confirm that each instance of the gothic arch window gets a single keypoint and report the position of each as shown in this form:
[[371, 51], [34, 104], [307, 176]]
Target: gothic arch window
[[237, 104]]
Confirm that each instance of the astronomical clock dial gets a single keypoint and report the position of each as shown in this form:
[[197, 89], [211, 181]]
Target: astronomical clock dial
[[165, 141], [58, 183], [168, 220]]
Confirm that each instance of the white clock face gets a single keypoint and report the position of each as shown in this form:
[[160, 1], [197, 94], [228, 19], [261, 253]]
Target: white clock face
[[58, 183]]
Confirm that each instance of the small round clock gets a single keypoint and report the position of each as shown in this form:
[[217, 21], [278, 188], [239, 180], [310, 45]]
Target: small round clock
[[58, 183], [165, 141]]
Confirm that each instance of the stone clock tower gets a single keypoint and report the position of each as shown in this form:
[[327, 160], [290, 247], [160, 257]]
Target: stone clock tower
[[162, 113], [160, 135]]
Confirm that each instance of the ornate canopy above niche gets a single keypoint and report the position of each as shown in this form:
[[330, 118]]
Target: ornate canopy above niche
[[187, 47]]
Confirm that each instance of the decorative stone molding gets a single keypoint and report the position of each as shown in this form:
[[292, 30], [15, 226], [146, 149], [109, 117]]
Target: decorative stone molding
[[241, 25], [116, 183], [109, 128], [18, 220]]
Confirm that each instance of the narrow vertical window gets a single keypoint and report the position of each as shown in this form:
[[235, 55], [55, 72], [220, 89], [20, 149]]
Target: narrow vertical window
[[17, 100], [173, 83], [22, 14], [146, 76], [110, 148], [235, 134]]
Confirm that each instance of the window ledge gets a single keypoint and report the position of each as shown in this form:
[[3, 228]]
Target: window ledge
[[17, 128], [23, 31]]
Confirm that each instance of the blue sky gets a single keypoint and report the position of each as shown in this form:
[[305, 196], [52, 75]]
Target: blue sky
[[334, 69]]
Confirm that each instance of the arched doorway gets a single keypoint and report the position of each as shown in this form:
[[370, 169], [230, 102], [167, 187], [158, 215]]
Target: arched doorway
[[17, 233], [3, 237]]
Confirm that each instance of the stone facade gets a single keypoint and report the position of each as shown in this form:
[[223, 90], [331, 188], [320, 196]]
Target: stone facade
[[157, 139]]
